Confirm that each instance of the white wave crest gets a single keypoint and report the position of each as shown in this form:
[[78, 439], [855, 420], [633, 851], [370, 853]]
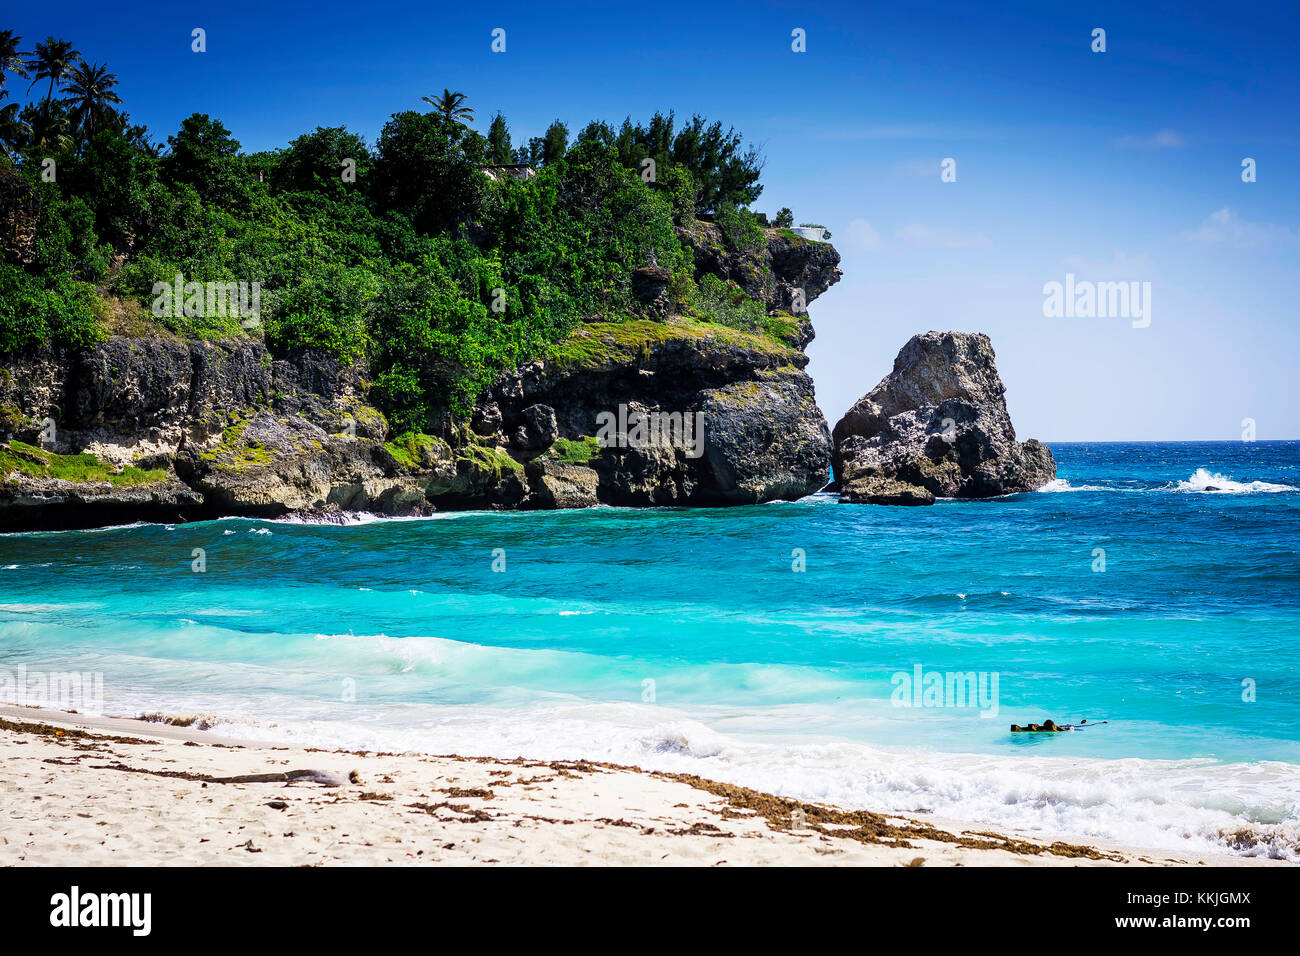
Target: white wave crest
[[1202, 480], [1058, 485]]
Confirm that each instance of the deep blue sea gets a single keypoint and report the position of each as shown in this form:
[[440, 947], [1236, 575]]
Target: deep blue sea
[[1152, 586]]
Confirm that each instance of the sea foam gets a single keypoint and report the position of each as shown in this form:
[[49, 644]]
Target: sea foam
[[1202, 480]]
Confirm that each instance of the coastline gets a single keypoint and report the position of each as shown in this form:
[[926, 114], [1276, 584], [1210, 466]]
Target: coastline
[[105, 791]]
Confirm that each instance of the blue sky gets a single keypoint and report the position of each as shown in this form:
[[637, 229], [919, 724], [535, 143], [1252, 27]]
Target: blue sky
[[1123, 165]]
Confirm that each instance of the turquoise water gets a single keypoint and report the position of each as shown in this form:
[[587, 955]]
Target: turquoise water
[[687, 640]]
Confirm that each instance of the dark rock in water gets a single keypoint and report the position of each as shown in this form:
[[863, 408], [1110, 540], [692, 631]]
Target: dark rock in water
[[936, 427], [874, 490]]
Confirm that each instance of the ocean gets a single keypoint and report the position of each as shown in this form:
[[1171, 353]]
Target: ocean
[[806, 648]]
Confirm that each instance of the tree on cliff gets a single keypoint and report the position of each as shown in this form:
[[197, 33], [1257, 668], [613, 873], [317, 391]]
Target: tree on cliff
[[49, 127], [530, 153], [438, 276], [14, 132], [423, 171], [555, 143], [499, 151], [203, 155], [723, 173], [314, 162]]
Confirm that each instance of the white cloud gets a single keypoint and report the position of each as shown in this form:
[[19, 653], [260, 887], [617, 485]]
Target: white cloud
[[1161, 139], [861, 235], [919, 235], [1225, 226]]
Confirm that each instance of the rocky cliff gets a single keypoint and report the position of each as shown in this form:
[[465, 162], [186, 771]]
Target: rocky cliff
[[651, 410], [936, 426]]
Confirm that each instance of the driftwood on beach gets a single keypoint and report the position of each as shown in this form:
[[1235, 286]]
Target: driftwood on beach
[[323, 777]]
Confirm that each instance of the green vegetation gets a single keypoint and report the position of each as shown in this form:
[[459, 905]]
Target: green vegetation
[[490, 460], [741, 229], [36, 462], [11, 420], [783, 327], [583, 450], [412, 449], [724, 304], [605, 343], [237, 452], [401, 255], [722, 173]]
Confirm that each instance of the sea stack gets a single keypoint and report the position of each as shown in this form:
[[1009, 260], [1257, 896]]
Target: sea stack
[[936, 427]]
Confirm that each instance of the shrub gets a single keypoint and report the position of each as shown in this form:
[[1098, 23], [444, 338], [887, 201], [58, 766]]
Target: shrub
[[33, 314], [741, 229], [726, 304]]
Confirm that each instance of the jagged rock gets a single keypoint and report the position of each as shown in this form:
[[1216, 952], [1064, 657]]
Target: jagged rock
[[487, 419], [538, 428], [800, 265], [874, 490], [765, 438], [936, 426], [762, 438]]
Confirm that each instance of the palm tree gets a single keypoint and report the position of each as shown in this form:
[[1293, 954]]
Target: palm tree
[[49, 129], [11, 61], [449, 105], [51, 60], [91, 92], [14, 133]]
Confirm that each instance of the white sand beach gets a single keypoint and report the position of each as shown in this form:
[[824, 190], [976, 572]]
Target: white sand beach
[[111, 791]]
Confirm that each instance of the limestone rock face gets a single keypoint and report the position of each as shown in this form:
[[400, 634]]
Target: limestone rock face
[[766, 438], [19, 208], [215, 428], [561, 484], [751, 432], [936, 426]]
